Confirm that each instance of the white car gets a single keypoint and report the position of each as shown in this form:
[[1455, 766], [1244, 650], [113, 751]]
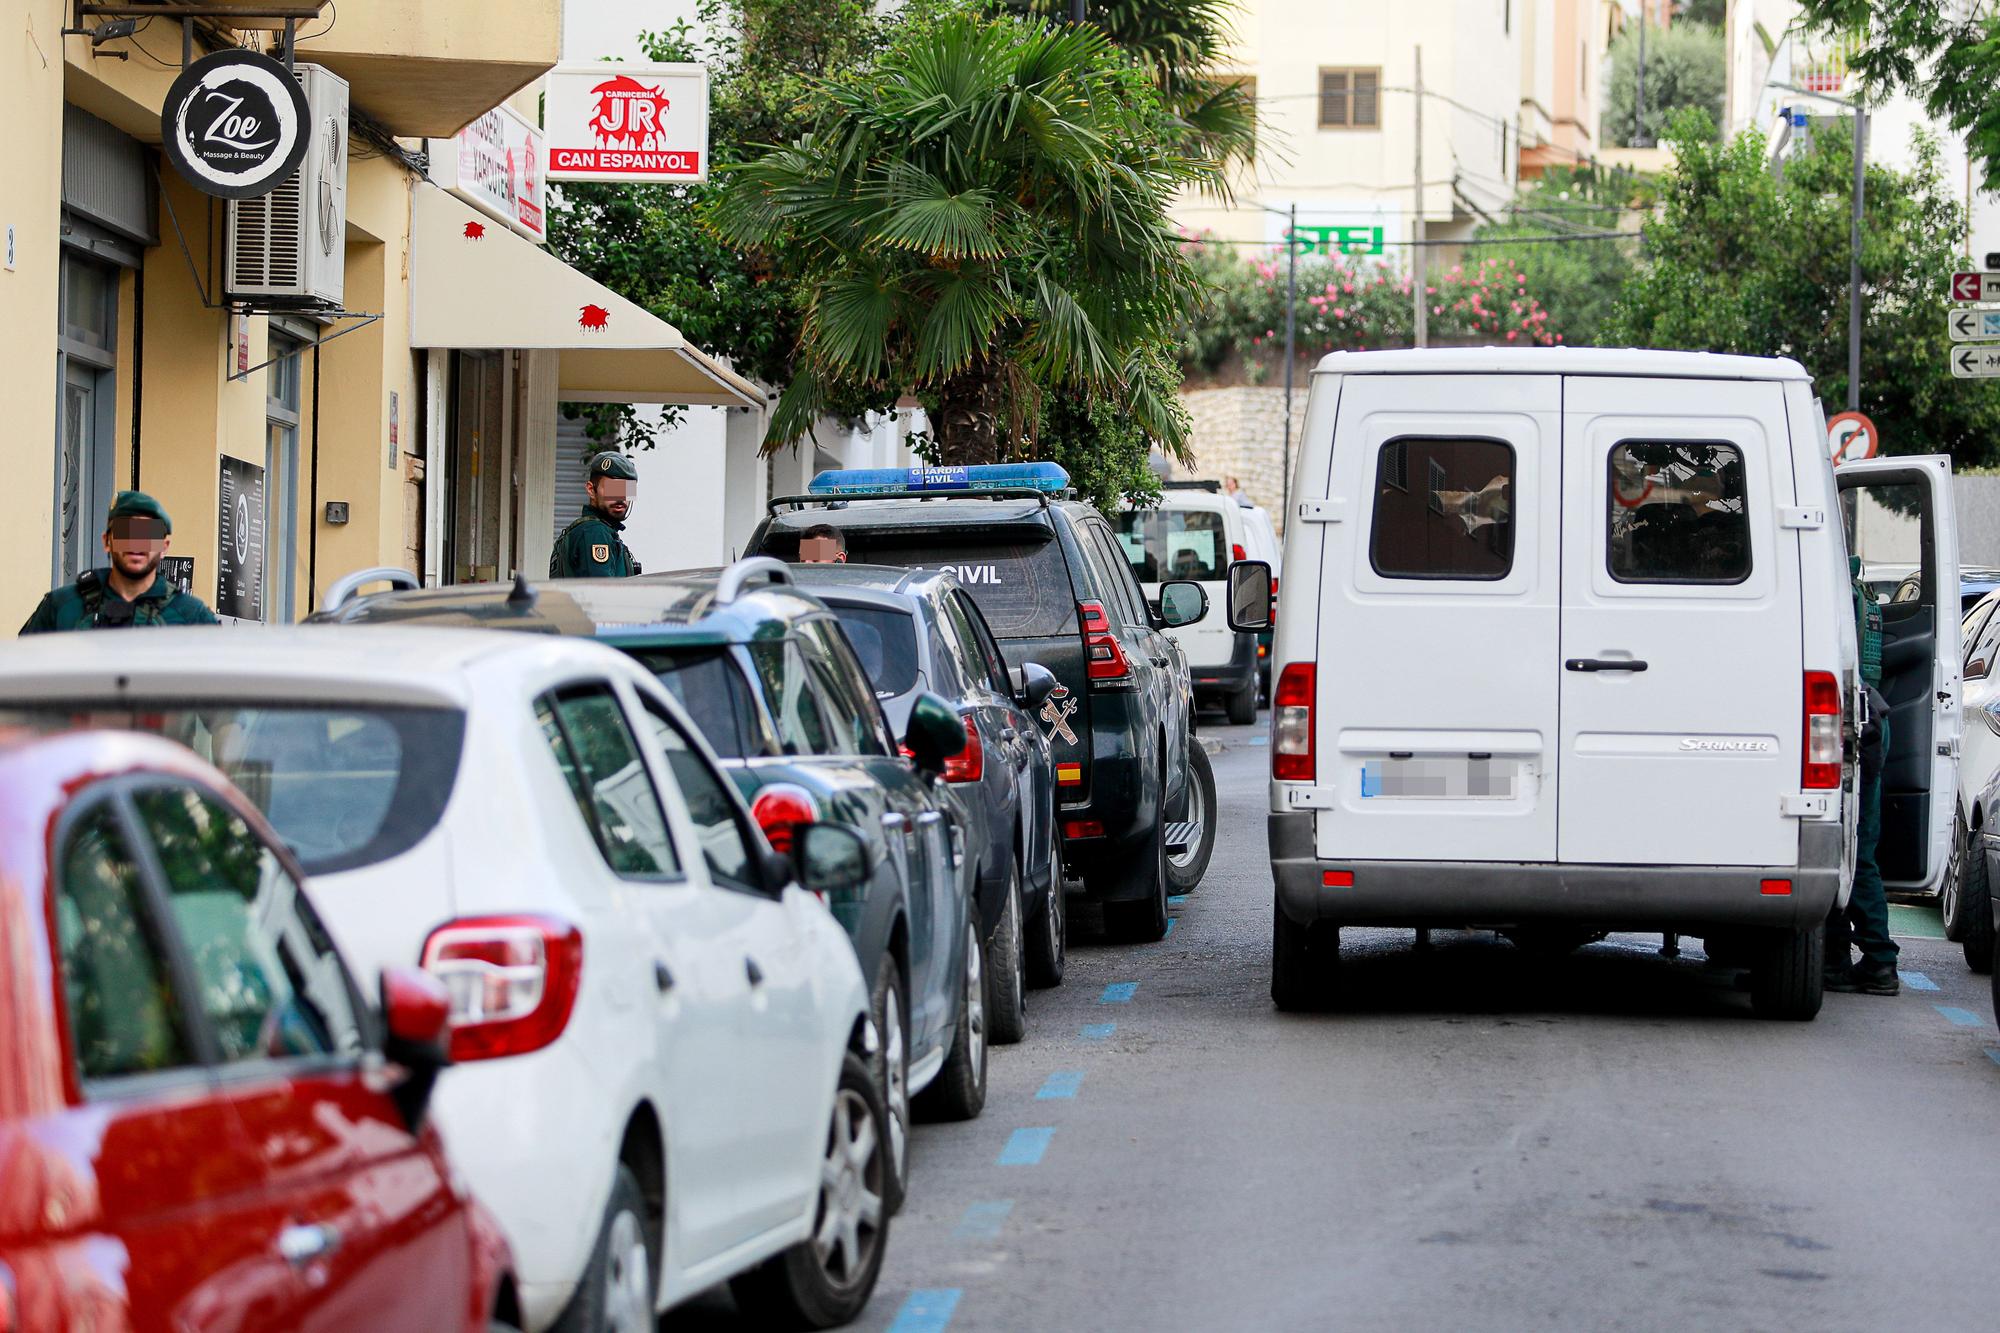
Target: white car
[[1965, 896], [662, 1038], [1194, 533]]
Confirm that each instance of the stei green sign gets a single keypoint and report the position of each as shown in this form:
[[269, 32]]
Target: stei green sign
[[1338, 240]]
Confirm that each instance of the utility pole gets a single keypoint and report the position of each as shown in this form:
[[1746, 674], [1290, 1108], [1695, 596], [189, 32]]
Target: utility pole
[[1291, 351], [1419, 252], [1854, 261], [1076, 11], [1639, 101]]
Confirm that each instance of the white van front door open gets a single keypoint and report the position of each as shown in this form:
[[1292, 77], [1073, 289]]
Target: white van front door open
[[1681, 675], [1899, 516]]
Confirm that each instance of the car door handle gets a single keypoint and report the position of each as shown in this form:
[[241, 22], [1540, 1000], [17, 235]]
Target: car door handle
[[929, 817], [752, 971], [1008, 733], [894, 822], [1158, 661], [1603, 664], [301, 1244], [663, 976]]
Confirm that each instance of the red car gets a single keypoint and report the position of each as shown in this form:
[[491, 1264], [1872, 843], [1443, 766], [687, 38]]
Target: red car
[[203, 1128]]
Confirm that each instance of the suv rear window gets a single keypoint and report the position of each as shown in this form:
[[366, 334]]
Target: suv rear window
[[885, 641], [345, 786], [1675, 513], [1163, 544], [709, 684], [1444, 509], [1023, 588]]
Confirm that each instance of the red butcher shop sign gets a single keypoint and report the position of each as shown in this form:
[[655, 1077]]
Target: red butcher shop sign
[[628, 123]]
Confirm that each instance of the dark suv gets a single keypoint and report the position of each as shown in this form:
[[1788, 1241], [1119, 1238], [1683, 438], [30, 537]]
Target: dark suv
[[1056, 589]]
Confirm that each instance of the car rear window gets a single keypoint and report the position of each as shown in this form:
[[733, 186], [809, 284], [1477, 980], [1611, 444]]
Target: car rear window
[[710, 686], [1162, 544], [1444, 509], [1676, 513], [1023, 588], [344, 785], [885, 640]]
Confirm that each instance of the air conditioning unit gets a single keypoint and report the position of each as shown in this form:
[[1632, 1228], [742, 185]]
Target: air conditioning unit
[[289, 248]]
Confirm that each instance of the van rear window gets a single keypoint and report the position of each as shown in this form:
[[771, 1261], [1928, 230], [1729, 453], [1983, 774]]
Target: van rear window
[[1444, 509], [1676, 513], [1163, 544]]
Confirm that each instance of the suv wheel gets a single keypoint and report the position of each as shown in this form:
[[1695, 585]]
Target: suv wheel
[[892, 1076], [1305, 963], [1007, 965], [959, 1092], [1975, 907], [1242, 705], [1951, 890], [1186, 867], [1048, 941]]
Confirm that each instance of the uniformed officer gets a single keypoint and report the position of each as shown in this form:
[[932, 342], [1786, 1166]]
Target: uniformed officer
[[590, 546], [131, 590], [1864, 924]]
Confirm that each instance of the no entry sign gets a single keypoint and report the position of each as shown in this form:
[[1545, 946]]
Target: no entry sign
[[641, 123], [1851, 437]]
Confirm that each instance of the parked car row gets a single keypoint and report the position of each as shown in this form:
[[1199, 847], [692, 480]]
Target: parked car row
[[705, 882]]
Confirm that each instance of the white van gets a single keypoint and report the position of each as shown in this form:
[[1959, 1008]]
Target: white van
[[1195, 532], [1569, 647]]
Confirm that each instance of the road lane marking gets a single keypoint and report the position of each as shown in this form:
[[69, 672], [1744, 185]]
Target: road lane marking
[[1993, 1055], [1025, 1147], [1119, 992], [1062, 1084], [1918, 981], [1170, 925], [1176, 899], [1098, 1031], [1965, 1018], [983, 1221], [928, 1310]]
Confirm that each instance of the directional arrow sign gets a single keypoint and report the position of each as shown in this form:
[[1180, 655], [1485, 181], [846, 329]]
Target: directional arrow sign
[[1975, 363], [1975, 286], [1969, 326]]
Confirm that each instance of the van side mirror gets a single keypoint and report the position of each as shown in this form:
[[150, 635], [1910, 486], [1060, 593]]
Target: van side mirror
[[1182, 602], [936, 732], [1033, 684], [1250, 596]]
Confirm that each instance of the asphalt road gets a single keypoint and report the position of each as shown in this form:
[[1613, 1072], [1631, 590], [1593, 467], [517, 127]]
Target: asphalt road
[[1479, 1140]]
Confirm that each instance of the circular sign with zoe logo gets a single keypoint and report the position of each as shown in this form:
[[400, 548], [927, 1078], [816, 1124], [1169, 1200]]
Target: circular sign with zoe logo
[[234, 124]]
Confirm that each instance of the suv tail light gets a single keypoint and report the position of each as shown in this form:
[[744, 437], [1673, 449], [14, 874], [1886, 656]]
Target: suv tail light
[[968, 764], [1292, 725], [781, 807], [512, 979], [1822, 763], [1104, 660]]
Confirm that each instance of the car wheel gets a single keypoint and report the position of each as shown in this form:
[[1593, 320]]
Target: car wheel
[[1048, 941], [1242, 705], [1136, 908], [1788, 978], [1186, 867], [1975, 908], [959, 1091], [892, 1076], [1951, 896], [619, 1285], [1305, 963], [1007, 966], [826, 1279]]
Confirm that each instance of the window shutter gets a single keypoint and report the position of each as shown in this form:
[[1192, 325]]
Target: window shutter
[[1367, 102], [1333, 97]]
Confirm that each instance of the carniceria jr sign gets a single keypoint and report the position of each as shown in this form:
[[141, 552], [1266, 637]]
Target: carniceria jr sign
[[610, 122]]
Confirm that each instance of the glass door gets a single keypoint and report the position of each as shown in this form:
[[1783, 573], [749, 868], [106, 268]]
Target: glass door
[[281, 473]]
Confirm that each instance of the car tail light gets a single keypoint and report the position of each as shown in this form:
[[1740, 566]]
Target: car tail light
[[969, 763], [1292, 724], [1104, 660], [1236, 551], [513, 981], [781, 807], [1083, 828], [1822, 764], [1775, 888], [1337, 879]]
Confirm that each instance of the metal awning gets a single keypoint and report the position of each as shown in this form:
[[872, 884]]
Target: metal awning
[[474, 284]]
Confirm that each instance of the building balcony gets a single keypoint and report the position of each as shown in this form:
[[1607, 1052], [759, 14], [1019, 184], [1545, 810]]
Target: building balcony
[[427, 69]]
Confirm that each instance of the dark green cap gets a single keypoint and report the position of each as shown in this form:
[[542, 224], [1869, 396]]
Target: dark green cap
[[610, 464], [138, 504]]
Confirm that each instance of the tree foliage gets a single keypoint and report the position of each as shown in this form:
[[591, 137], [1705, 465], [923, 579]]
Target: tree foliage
[[1945, 51], [1684, 68], [1742, 260], [1577, 282]]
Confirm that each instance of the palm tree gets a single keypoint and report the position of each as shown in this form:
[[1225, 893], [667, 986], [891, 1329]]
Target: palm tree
[[980, 220]]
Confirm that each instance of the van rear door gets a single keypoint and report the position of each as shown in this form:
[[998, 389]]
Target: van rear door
[[1682, 673], [1435, 700], [1899, 512]]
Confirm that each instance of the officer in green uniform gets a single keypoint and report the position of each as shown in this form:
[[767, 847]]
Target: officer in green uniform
[[1864, 925], [131, 590], [590, 547]]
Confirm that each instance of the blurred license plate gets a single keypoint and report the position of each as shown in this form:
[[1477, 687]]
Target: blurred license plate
[[1439, 779]]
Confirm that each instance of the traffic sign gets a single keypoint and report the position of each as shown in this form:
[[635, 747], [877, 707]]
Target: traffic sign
[[1970, 326], [1851, 437], [1976, 363], [1975, 286]]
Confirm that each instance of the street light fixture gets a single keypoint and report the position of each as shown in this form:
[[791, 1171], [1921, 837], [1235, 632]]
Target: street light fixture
[[1854, 236]]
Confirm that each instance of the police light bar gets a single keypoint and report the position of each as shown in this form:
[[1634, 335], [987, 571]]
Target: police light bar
[[1048, 477]]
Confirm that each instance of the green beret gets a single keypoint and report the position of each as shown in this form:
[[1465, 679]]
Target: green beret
[[613, 465], [138, 504]]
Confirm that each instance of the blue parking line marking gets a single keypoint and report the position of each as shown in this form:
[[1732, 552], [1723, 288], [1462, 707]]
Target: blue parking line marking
[[1176, 899], [928, 1310], [983, 1221], [1993, 1055], [1965, 1018], [1917, 981], [1170, 926], [1025, 1147], [1119, 992], [1258, 740], [1097, 1031], [1061, 1084]]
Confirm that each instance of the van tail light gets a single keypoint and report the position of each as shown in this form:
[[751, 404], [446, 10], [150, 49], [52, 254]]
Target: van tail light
[[1104, 660], [1822, 764], [968, 764], [512, 979], [780, 808], [1236, 551], [1292, 725]]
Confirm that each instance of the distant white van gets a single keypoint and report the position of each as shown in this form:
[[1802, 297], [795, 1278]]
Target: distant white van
[[1569, 647], [1196, 532]]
